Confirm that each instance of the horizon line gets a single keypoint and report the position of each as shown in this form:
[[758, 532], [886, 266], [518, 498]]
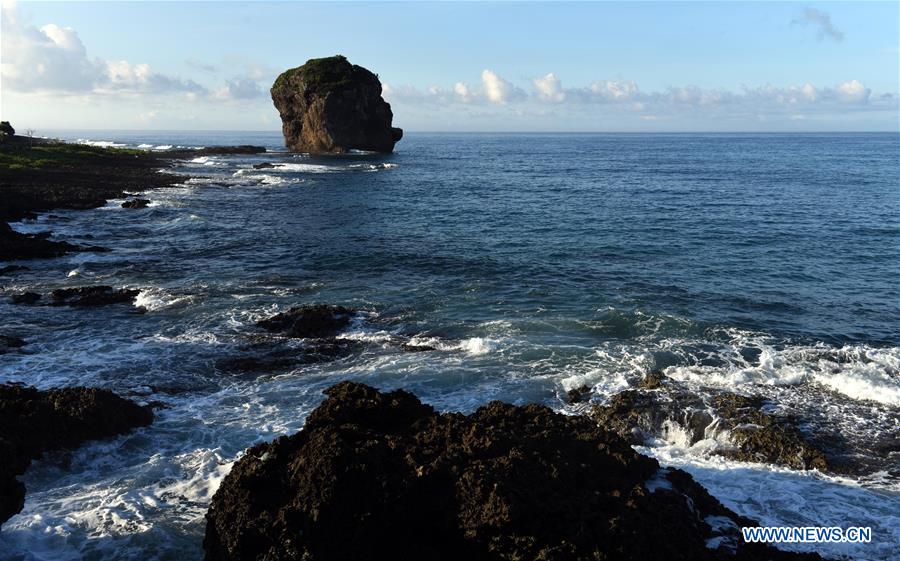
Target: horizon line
[[503, 131]]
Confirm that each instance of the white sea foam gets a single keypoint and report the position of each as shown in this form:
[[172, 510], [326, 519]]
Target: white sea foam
[[857, 371], [155, 298], [782, 497], [207, 161], [100, 143], [477, 345]]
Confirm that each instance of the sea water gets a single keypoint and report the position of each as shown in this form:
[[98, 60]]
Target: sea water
[[525, 264]]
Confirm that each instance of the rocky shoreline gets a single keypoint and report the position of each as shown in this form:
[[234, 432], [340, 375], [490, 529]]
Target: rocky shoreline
[[38, 175]]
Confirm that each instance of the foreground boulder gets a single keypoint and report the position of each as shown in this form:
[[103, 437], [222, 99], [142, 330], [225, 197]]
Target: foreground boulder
[[382, 476], [32, 422], [331, 106]]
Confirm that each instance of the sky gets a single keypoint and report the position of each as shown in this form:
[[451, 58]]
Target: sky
[[462, 66]]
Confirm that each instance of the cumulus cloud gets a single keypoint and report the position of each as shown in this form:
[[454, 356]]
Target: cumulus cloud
[[493, 90], [549, 88], [53, 58], [498, 90], [822, 22], [462, 91], [853, 92], [623, 97]]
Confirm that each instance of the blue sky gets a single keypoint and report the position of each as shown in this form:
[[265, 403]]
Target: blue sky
[[637, 66]]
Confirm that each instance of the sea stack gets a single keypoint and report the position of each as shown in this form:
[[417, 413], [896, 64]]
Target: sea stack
[[329, 106]]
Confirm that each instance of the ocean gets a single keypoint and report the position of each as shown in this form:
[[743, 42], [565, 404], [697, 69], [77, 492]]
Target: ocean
[[521, 265]]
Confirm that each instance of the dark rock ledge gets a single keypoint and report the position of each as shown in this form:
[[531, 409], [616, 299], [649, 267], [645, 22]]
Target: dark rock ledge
[[33, 422], [81, 297], [382, 476], [659, 407]]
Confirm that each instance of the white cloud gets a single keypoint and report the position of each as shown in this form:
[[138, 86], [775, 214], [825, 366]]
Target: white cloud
[[853, 92], [462, 91], [54, 59], [614, 90], [822, 21], [549, 88], [498, 90], [51, 57]]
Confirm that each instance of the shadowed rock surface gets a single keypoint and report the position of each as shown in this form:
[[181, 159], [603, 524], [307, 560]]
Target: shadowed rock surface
[[382, 476], [309, 321], [32, 422], [331, 106], [136, 203], [89, 296], [8, 343], [26, 298]]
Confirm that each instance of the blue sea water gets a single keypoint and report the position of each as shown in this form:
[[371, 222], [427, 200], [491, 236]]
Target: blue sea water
[[528, 264]]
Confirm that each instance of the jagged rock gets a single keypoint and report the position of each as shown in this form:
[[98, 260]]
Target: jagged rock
[[681, 416], [577, 395], [760, 436], [32, 422], [27, 298], [653, 380], [309, 321], [89, 296], [136, 203], [8, 342], [16, 245], [331, 106], [381, 476]]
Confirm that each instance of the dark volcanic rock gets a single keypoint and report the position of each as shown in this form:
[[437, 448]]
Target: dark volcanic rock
[[136, 203], [8, 342], [577, 395], [381, 476], [331, 106], [760, 436], [32, 422], [757, 436], [87, 296], [25, 298], [264, 165], [310, 321], [15, 245]]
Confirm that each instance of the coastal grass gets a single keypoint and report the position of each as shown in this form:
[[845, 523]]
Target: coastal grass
[[23, 156], [325, 75]]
